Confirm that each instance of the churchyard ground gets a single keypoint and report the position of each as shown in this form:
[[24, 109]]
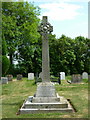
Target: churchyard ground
[[15, 92]]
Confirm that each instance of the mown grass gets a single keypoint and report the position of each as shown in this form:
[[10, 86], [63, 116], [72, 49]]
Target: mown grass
[[14, 94]]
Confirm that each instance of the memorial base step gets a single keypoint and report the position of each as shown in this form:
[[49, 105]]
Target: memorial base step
[[62, 106]]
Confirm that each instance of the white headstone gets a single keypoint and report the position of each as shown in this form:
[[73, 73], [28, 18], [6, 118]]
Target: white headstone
[[62, 75], [4, 80], [30, 76], [84, 75]]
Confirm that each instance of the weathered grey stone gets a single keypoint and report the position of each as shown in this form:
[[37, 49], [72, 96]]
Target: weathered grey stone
[[84, 75], [40, 75], [19, 77], [4, 80], [30, 76], [45, 28], [61, 106], [62, 75], [76, 78], [45, 89], [45, 99], [10, 77]]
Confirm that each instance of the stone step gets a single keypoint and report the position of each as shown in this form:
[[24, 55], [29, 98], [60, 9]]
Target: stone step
[[62, 106], [45, 105], [45, 99], [47, 110]]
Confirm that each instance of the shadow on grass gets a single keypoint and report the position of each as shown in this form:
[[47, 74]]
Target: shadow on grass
[[15, 103]]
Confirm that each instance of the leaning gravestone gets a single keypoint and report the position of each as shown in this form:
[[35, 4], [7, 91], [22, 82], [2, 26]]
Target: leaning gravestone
[[19, 77], [84, 75], [76, 78], [45, 99], [4, 80], [10, 77], [30, 76], [62, 75]]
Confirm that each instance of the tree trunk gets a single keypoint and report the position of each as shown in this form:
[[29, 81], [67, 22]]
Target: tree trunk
[[11, 59]]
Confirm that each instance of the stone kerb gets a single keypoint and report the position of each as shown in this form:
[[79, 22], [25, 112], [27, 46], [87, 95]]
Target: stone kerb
[[30, 76]]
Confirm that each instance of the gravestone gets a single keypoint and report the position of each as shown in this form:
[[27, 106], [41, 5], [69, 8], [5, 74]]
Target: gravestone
[[19, 77], [40, 75], [30, 76], [76, 78], [84, 75], [10, 77], [62, 75], [4, 80], [46, 99]]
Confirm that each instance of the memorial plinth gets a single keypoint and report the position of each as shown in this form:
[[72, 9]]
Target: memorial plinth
[[46, 99]]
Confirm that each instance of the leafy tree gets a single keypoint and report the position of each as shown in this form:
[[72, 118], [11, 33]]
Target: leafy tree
[[24, 43], [62, 54], [86, 56], [4, 47], [19, 28], [5, 60], [19, 24], [80, 49], [5, 65]]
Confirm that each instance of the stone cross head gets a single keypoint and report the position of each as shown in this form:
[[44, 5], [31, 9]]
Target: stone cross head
[[45, 27]]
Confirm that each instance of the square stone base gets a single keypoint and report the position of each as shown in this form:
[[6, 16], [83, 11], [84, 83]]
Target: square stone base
[[29, 107]]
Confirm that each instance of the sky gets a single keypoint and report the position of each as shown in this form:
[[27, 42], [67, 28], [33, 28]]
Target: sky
[[68, 17]]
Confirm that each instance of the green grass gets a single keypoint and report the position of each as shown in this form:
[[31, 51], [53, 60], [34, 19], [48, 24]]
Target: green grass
[[14, 94]]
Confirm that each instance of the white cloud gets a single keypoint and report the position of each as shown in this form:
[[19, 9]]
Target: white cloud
[[60, 11]]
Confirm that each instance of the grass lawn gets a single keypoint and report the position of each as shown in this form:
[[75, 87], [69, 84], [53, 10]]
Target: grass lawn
[[15, 92]]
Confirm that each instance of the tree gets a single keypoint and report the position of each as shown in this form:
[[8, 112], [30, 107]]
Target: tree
[[80, 48], [19, 24], [5, 60], [86, 56], [19, 28], [5, 65], [61, 54]]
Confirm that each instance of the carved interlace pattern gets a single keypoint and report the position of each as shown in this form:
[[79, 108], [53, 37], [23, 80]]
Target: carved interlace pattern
[[45, 27]]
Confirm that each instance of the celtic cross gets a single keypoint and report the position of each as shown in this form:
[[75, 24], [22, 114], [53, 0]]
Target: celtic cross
[[45, 28]]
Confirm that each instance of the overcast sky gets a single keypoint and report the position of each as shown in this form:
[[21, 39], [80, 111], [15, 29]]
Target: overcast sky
[[69, 17]]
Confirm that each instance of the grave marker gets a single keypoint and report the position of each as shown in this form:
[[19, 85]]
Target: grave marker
[[76, 78], [62, 75], [4, 80], [45, 99], [84, 75], [30, 76], [19, 77], [10, 77], [40, 75]]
